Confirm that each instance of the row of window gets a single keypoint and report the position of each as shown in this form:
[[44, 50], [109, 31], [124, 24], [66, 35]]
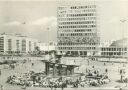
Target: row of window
[[2, 43], [77, 7], [18, 45], [23, 45], [78, 34], [9, 44], [1, 48], [83, 30], [114, 49], [84, 22], [77, 15], [111, 53], [77, 11], [82, 11], [83, 7], [77, 30], [80, 18], [77, 43], [30, 45], [79, 26], [1, 39], [76, 48]]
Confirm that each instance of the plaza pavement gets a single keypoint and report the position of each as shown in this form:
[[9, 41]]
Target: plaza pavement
[[38, 66]]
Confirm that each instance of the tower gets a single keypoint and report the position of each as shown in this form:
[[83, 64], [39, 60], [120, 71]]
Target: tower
[[77, 32]]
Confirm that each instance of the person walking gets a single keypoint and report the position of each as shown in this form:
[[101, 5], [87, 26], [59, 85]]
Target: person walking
[[126, 82], [0, 72], [1, 87], [106, 70], [121, 72]]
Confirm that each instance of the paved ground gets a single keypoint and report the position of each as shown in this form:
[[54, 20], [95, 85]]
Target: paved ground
[[113, 71]]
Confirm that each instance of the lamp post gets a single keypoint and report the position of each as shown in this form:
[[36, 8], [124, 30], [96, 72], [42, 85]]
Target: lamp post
[[123, 21], [48, 37], [48, 42]]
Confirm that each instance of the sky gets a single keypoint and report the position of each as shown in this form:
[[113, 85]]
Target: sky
[[33, 18]]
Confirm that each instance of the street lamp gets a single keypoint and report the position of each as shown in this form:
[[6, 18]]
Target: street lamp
[[48, 42], [48, 37], [123, 21]]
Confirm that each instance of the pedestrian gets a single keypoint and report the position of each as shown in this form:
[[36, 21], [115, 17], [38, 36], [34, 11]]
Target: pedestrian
[[32, 64], [0, 71], [1, 87], [88, 62], [93, 67], [126, 81], [106, 70], [104, 64], [121, 73]]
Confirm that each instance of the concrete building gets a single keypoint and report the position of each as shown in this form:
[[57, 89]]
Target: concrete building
[[10, 43], [113, 51], [47, 46], [77, 28], [118, 48]]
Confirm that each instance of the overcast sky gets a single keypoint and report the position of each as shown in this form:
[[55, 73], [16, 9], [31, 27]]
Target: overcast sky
[[33, 17]]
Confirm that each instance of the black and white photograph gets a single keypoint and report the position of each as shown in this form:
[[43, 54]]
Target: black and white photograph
[[63, 44]]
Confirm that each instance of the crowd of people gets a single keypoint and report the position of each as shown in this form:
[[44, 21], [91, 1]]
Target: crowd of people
[[91, 78]]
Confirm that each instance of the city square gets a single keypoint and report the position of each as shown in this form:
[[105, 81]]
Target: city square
[[64, 45], [113, 74]]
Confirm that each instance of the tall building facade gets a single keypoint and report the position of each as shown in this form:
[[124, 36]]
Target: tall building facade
[[77, 28], [10, 43]]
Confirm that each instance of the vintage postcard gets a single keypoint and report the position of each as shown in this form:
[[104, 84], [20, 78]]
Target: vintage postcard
[[64, 45]]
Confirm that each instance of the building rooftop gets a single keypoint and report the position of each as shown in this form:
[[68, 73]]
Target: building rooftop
[[120, 43], [10, 34]]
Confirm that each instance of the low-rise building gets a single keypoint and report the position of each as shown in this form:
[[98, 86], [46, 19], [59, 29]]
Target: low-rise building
[[10, 43], [118, 48], [47, 46]]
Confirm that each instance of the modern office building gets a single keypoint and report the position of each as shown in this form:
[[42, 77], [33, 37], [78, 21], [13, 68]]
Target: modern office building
[[77, 28], [10, 43]]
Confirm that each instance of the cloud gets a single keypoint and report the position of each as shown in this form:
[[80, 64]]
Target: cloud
[[52, 21], [13, 23], [45, 21]]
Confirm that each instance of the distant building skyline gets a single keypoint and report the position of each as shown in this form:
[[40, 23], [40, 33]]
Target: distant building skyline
[[33, 19], [17, 43]]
